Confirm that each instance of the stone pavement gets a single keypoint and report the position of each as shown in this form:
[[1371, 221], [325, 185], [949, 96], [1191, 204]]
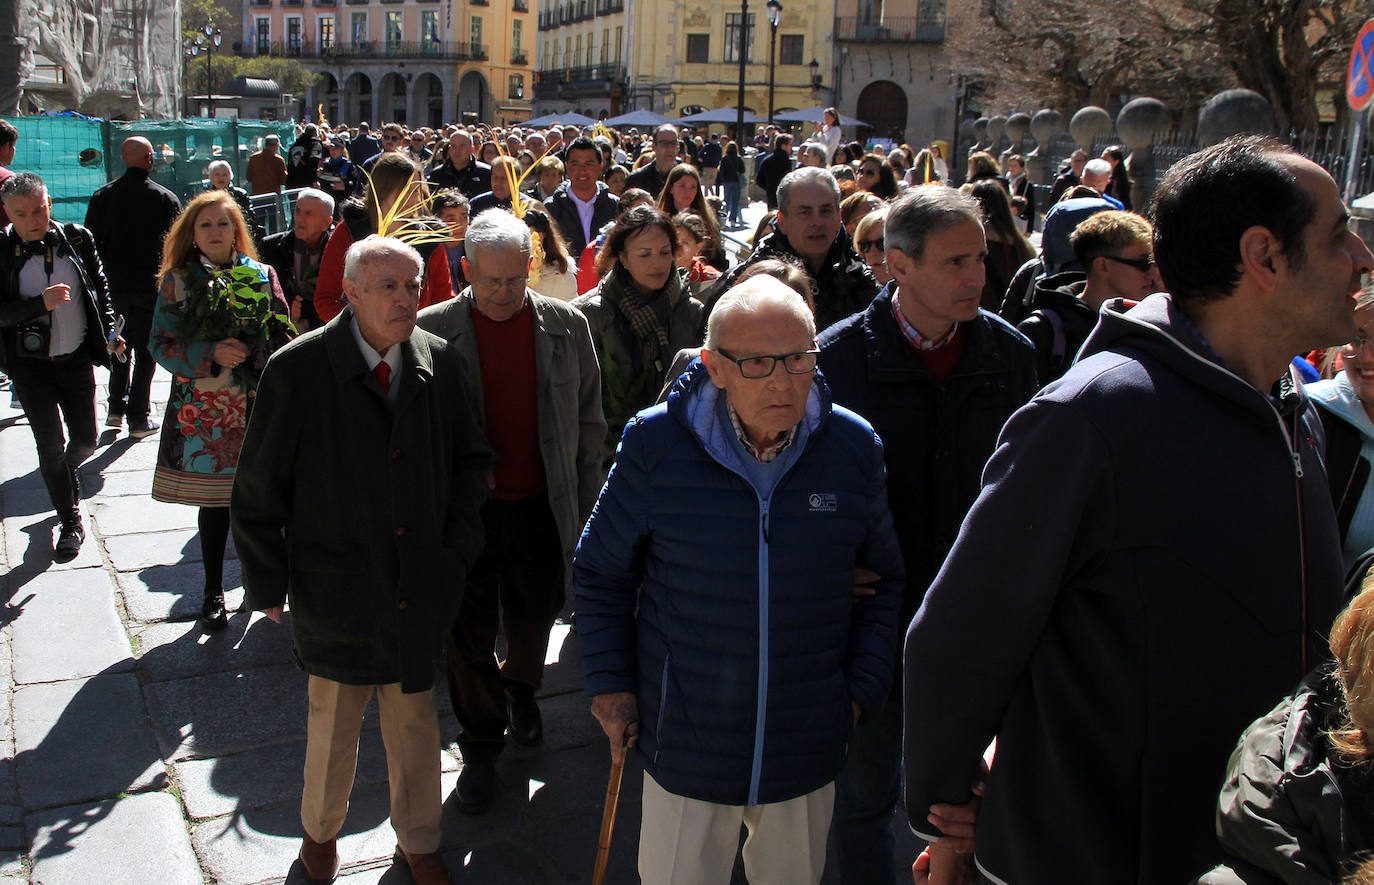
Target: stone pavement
[[134, 749]]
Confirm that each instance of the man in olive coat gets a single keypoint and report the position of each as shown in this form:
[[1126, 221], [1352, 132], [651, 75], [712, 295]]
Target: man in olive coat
[[532, 362], [357, 500]]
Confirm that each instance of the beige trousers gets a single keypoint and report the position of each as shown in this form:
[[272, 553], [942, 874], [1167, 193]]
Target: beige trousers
[[689, 842], [410, 731]]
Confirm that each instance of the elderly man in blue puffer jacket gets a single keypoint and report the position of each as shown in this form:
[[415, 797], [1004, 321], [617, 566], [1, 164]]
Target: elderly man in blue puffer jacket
[[717, 605]]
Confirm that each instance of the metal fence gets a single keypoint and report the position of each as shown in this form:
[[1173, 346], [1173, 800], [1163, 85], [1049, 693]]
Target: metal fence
[[1328, 148], [75, 156]]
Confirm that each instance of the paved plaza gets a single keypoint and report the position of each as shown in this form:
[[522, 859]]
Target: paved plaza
[[138, 750]]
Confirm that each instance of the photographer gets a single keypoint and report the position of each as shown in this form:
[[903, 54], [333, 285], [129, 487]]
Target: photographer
[[55, 322]]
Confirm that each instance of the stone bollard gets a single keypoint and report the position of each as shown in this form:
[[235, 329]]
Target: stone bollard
[[980, 132], [1016, 131], [1234, 112], [996, 126], [1087, 124], [1139, 123], [1045, 125]]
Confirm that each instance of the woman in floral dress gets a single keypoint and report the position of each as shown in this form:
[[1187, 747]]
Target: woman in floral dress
[[219, 316]]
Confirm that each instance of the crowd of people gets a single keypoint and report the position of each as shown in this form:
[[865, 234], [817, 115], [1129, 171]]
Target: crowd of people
[[891, 505]]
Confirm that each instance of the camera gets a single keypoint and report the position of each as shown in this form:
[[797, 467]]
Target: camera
[[35, 337]]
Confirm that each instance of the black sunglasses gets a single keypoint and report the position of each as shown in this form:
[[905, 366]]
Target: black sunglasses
[[865, 245], [1141, 264]]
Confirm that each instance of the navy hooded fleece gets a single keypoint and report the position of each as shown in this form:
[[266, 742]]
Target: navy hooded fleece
[[1152, 562]]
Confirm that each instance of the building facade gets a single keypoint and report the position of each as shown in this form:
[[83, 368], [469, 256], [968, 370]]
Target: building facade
[[677, 57], [417, 62], [893, 70]]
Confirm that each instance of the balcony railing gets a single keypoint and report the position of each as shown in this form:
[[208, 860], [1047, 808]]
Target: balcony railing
[[609, 7], [260, 3], [368, 49], [519, 57], [926, 28], [520, 6], [326, 2], [481, 2], [548, 82]]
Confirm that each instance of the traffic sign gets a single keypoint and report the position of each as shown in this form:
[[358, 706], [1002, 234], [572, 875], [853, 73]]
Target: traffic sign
[[1359, 81]]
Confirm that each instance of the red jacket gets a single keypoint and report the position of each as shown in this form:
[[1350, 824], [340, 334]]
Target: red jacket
[[436, 286]]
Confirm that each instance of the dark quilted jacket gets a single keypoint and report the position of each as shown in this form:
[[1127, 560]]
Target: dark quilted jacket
[[730, 615]]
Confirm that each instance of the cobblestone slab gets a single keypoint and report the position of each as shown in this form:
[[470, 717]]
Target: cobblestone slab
[[83, 739], [222, 713], [117, 484], [73, 605], [133, 841], [180, 650], [174, 592], [269, 776], [28, 545], [131, 514], [131, 553], [260, 845]]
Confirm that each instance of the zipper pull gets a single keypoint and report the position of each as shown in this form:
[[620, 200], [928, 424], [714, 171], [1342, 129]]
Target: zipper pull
[[1297, 463], [763, 515]]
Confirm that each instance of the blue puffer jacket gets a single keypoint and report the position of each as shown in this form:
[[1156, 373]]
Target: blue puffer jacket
[[731, 614]]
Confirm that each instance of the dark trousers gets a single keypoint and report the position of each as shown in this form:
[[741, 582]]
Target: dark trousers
[[518, 580], [52, 392], [130, 397]]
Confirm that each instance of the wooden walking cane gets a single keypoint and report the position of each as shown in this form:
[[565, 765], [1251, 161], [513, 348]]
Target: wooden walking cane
[[603, 847]]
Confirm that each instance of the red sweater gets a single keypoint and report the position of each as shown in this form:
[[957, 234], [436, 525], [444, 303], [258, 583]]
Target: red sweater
[[942, 360], [510, 394], [329, 297]]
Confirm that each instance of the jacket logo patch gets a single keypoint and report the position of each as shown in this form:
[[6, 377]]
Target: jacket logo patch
[[822, 502]]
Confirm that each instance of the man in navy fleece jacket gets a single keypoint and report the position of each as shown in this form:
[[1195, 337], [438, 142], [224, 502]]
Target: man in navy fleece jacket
[[1153, 560]]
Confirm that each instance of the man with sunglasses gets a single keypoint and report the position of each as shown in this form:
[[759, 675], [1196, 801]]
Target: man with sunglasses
[[653, 176], [937, 377], [715, 598], [393, 141], [1113, 249]]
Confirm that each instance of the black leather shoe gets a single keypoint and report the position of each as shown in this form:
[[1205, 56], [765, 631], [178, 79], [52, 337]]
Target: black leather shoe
[[213, 617], [140, 429], [69, 542], [526, 725], [476, 786]]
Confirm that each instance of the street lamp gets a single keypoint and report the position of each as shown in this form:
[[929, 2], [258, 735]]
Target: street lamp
[[815, 67], [190, 49], [213, 36], [743, 48], [774, 16]]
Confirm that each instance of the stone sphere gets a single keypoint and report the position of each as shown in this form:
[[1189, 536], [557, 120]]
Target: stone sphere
[[1046, 124], [996, 126], [1234, 112], [1089, 123], [980, 129], [1141, 120], [967, 129], [1016, 127]]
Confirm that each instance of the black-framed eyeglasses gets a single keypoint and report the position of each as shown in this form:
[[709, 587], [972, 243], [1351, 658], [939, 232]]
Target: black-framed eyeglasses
[[1141, 264], [865, 245], [803, 362]]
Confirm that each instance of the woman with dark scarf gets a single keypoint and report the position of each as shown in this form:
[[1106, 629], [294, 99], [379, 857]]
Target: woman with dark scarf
[[641, 314]]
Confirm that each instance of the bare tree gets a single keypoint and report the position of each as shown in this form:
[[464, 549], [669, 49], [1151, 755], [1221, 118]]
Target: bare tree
[[1070, 53]]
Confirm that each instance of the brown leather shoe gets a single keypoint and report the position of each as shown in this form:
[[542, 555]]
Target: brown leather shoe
[[321, 860], [425, 869]]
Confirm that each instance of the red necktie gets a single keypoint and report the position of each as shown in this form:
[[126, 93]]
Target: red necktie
[[383, 373]]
